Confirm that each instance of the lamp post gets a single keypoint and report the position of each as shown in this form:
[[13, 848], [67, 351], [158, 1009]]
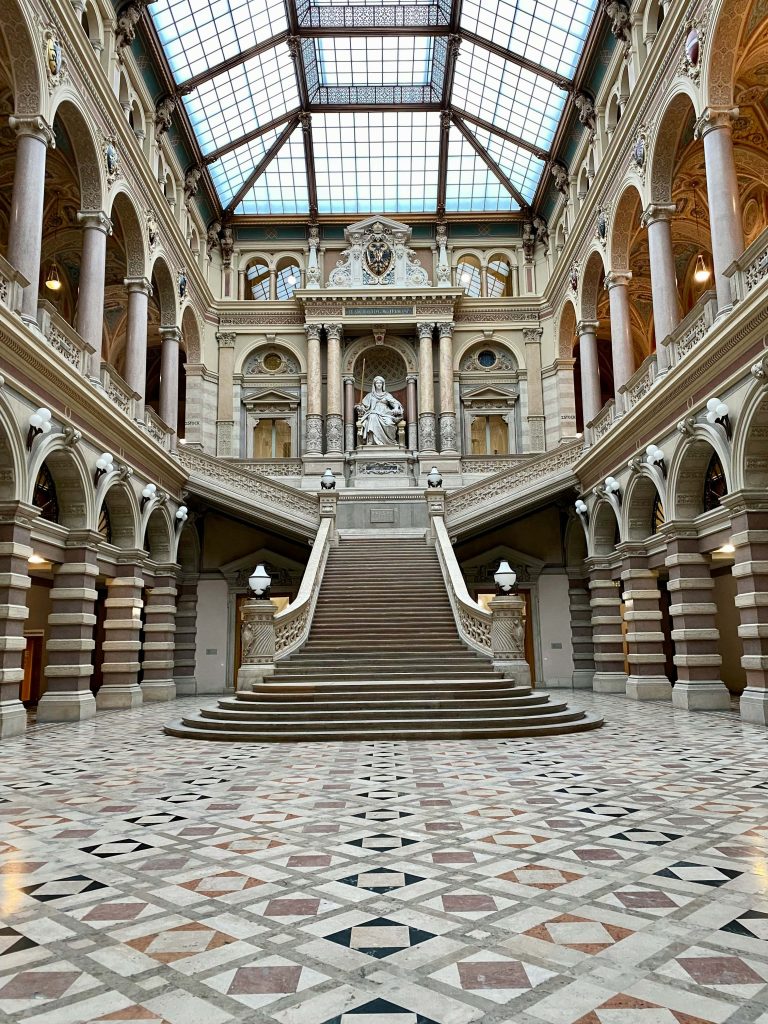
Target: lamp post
[[508, 627], [257, 632]]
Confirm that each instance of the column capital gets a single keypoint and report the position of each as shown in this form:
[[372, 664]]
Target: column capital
[[348, 379], [34, 125], [617, 279], [411, 378], [425, 330], [171, 334], [445, 330], [587, 327], [333, 331], [96, 219], [226, 339], [138, 284], [532, 335], [312, 331], [713, 118], [655, 212]]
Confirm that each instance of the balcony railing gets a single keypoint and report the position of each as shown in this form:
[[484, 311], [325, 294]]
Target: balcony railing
[[11, 285], [640, 383], [118, 391], [62, 338], [692, 329], [157, 429], [750, 269]]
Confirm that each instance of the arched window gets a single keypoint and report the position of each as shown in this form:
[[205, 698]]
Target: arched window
[[44, 496], [715, 486], [498, 278], [468, 275], [657, 514], [105, 524], [257, 276], [288, 277]]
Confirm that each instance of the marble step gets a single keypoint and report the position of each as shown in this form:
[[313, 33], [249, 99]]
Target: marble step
[[377, 713], [422, 688], [386, 702]]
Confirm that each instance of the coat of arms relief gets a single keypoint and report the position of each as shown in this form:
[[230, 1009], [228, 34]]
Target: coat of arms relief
[[378, 254]]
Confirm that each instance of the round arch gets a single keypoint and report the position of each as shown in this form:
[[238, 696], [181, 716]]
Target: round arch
[[158, 535], [750, 441], [89, 160], [123, 208], [727, 20], [191, 334], [468, 344], [604, 528], [71, 478], [13, 463], [665, 143], [687, 472], [124, 516], [285, 347], [27, 64], [400, 345], [187, 549], [624, 225], [566, 330], [164, 287], [639, 503], [592, 278]]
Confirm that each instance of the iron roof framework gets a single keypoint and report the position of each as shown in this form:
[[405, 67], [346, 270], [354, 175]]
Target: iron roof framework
[[318, 107]]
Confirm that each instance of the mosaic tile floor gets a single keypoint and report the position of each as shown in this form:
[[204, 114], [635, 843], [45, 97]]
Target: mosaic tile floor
[[616, 877]]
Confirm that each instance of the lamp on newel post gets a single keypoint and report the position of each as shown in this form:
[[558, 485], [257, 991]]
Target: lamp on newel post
[[257, 632], [508, 627]]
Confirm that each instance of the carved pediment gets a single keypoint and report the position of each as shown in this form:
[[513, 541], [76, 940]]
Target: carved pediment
[[272, 397], [489, 395], [378, 254]]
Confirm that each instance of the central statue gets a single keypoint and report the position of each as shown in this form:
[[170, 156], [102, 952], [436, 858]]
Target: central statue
[[378, 416]]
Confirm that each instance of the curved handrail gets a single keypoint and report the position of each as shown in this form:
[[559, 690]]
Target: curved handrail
[[472, 620], [292, 624]]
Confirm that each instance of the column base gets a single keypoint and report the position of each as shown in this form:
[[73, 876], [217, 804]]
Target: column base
[[127, 695], [648, 688], [518, 671], [13, 719], [249, 676], [609, 682], [75, 706], [582, 678], [707, 695], [163, 689], [186, 686], [754, 705]]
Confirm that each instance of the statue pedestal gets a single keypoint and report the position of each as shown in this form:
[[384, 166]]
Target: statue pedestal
[[382, 468]]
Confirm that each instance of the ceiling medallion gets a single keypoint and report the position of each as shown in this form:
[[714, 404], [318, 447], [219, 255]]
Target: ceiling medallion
[[378, 253]]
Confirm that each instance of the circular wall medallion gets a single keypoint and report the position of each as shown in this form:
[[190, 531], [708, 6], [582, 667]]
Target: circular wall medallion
[[486, 358], [272, 362]]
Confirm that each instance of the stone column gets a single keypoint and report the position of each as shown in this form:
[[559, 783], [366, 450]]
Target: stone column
[[122, 639], [666, 304], [621, 331], [508, 638], [581, 632], [427, 439], [273, 285], [25, 231], [447, 406], [314, 391], [169, 379], [257, 642], [15, 525], [605, 602], [225, 414], [349, 414], [694, 633], [591, 401], [647, 678], [412, 429], [334, 428], [532, 339], [159, 628], [90, 299], [186, 637], [726, 231], [70, 644], [139, 290], [749, 523]]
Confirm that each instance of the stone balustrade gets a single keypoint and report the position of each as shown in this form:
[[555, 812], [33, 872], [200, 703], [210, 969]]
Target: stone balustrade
[[12, 283], [62, 338], [158, 430], [601, 424], [118, 391], [640, 383], [692, 329], [750, 269], [292, 624], [270, 467]]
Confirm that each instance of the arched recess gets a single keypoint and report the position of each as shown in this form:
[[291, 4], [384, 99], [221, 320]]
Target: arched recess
[[750, 443], [71, 483], [287, 277], [696, 466], [122, 516], [12, 458], [730, 23], [257, 279], [468, 275], [575, 545], [187, 553], [643, 506], [568, 348], [498, 276], [403, 347], [629, 252], [163, 312], [604, 529], [89, 159], [594, 309], [158, 536], [26, 67], [125, 260]]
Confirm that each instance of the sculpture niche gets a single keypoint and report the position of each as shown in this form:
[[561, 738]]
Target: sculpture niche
[[378, 416]]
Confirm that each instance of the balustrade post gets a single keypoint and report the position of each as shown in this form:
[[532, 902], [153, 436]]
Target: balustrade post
[[508, 638], [257, 642]]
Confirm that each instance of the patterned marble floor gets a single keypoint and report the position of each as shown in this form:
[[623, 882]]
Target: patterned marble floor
[[617, 877]]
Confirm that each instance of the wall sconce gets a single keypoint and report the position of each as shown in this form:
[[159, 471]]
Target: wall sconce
[[581, 509], [147, 494], [39, 423], [260, 581], [612, 486], [505, 579], [717, 412], [654, 456], [104, 464], [182, 514], [434, 478]]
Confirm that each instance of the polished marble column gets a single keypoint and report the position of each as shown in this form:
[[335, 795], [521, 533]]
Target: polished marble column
[[447, 404], [25, 227], [225, 411], [591, 401], [169, 379], [90, 298], [349, 414], [314, 444], [412, 429], [427, 438], [334, 425], [726, 230], [666, 303], [139, 290], [621, 330]]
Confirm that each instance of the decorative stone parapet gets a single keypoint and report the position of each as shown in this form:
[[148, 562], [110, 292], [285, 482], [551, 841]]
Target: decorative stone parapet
[[508, 638], [257, 642]]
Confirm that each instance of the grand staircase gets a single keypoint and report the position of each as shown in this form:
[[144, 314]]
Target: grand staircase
[[383, 661]]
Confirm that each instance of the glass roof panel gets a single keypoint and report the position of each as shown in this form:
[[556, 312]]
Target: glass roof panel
[[199, 34], [242, 99], [550, 32], [230, 171], [511, 97], [470, 184], [376, 161], [282, 188], [372, 14], [374, 60], [521, 167]]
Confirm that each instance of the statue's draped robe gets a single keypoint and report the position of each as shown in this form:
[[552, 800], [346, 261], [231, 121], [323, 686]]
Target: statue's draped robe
[[378, 422]]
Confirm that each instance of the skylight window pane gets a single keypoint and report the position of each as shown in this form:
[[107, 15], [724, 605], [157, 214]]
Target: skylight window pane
[[282, 188], [550, 32], [374, 60], [230, 171], [199, 34], [376, 161], [521, 167], [511, 97], [470, 184], [243, 99]]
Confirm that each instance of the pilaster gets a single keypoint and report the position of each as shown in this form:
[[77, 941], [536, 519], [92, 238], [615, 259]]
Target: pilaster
[[159, 630], [647, 678], [15, 526]]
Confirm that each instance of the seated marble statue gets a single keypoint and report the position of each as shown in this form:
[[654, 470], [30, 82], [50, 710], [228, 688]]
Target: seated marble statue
[[378, 416]]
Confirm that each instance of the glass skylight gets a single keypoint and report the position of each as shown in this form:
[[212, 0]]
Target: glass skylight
[[341, 14], [521, 167], [470, 184], [374, 60], [382, 161], [230, 171], [282, 188], [199, 34]]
